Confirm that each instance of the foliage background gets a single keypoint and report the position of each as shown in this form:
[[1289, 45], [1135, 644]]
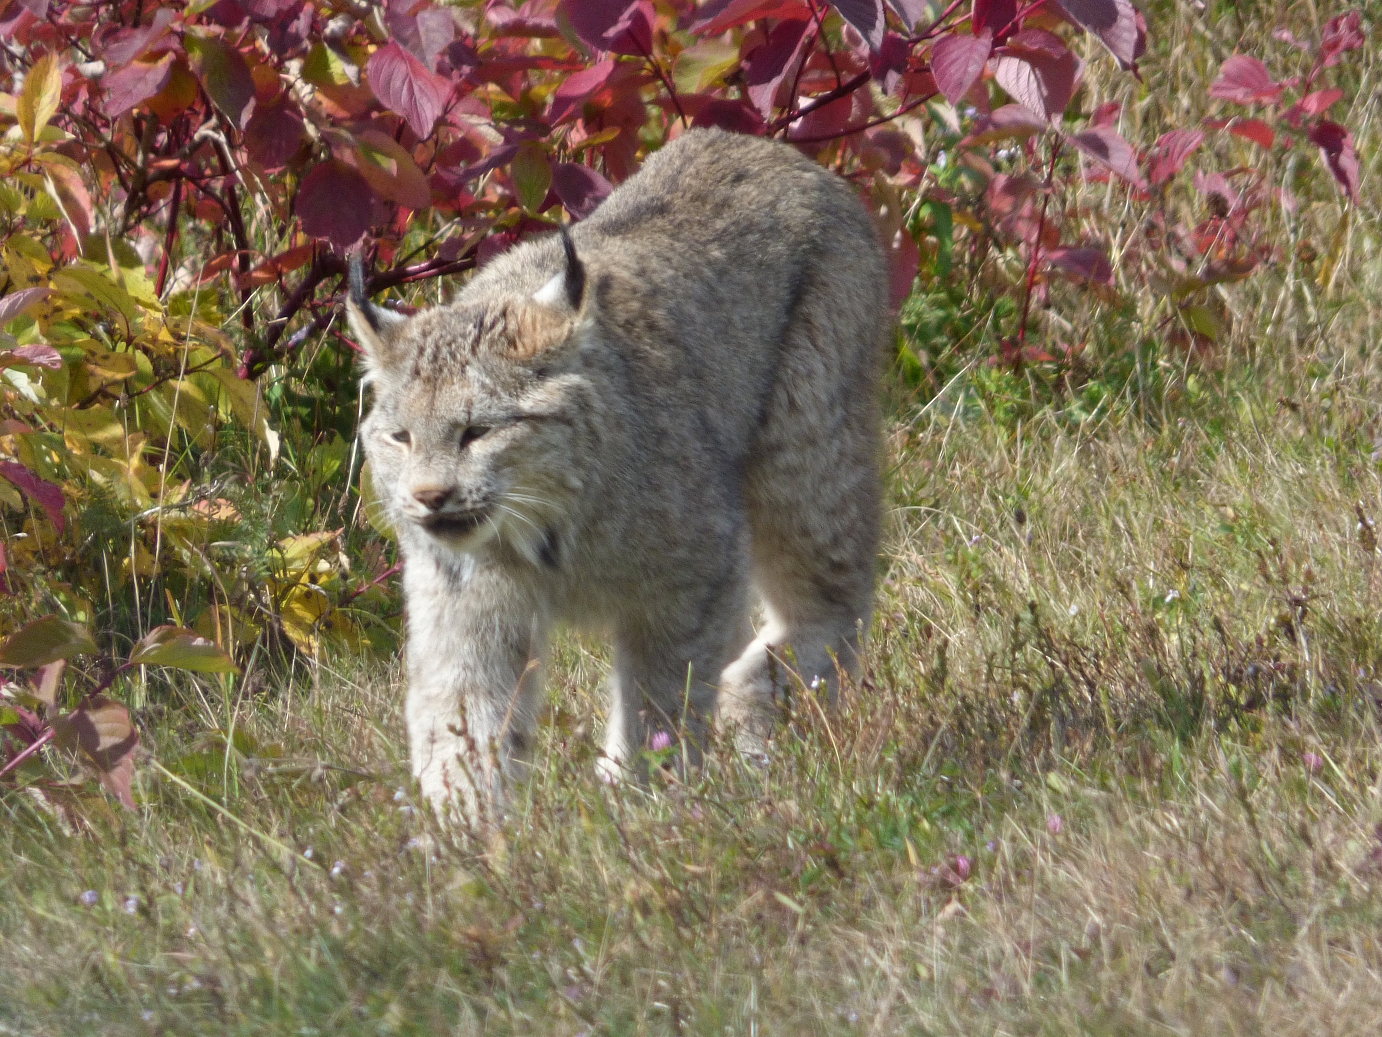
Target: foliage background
[[1114, 768]]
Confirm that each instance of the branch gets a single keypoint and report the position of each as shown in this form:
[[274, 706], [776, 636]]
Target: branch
[[863, 126], [820, 101]]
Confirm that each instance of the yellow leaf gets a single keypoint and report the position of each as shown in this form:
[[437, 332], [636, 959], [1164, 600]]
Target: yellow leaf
[[297, 552], [39, 100], [111, 366], [300, 612]]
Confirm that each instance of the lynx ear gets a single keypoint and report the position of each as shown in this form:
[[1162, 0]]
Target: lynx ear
[[567, 288], [374, 328]]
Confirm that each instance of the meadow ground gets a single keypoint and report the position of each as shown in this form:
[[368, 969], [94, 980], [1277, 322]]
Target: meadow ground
[[1113, 768]]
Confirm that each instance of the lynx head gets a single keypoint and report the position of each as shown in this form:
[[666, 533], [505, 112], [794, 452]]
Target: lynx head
[[476, 432]]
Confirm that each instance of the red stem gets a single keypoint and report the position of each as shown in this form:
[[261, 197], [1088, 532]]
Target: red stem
[[843, 90], [863, 126], [1036, 248], [169, 237], [935, 27], [33, 747]]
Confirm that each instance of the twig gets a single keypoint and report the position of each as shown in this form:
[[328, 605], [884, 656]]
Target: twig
[[1036, 248], [821, 100], [33, 747], [169, 237], [863, 126]]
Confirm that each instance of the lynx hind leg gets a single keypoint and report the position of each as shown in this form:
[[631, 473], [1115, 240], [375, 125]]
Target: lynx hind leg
[[668, 683], [813, 495]]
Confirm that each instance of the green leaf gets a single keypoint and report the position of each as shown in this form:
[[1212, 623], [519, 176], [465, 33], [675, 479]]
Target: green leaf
[[224, 74], [532, 176], [45, 641], [183, 650], [1203, 321], [943, 230], [700, 67], [83, 285]]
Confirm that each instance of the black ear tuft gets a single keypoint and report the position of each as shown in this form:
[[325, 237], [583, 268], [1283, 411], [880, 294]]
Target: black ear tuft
[[358, 295], [575, 271]]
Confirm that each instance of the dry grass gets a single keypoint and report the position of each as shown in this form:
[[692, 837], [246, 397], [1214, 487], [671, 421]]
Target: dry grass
[[1114, 768]]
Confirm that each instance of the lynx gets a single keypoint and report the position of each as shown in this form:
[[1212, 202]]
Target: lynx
[[636, 427]]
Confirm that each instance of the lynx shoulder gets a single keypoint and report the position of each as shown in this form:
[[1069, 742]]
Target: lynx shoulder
[[644, 427]]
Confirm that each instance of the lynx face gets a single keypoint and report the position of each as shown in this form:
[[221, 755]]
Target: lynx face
[[470, 438]]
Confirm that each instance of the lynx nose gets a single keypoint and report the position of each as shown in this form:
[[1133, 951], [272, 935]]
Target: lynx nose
[[432, 497]]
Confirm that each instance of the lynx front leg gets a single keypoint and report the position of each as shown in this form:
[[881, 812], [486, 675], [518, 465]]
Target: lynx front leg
[[472, 691]]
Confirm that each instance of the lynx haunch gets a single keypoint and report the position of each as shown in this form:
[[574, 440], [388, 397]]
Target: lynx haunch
[[637, 428]]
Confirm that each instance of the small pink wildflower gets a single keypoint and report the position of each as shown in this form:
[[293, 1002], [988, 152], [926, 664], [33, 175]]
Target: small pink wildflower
[[1314, 763], [1054, 824], [661, 740]]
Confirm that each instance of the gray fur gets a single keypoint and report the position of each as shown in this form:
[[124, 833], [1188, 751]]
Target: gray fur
[[696, 425]]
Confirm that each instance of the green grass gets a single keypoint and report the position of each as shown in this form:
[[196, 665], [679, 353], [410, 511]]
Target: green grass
[[1113, 768]]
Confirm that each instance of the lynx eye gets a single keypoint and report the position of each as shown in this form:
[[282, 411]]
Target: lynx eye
[[402, 436], [472, 433]]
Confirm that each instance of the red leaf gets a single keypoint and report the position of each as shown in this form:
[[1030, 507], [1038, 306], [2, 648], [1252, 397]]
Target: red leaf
[[1106, 146], [732, 115], [1114, 22], [427, 31], [405, 85], [76, 200], [46, 495], [866, 16], [1170, 152], [1037, 71], [1246, 81], [958, 61], [42, 355], [12, 305], [768, 64], [1254, 130], [1341, 33], [1085, 263], [993, 15], [102, 730], [633, 32], [890, 61], [274, 133], [591, 19], [335, 202], [718, 15], [1107, 114], [1010, 121], [135, 84], [534, 20], [123, 46], [580, 188], [1337, 145], [437, 29], [903, 259], [1320, 101], [570, 97]]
